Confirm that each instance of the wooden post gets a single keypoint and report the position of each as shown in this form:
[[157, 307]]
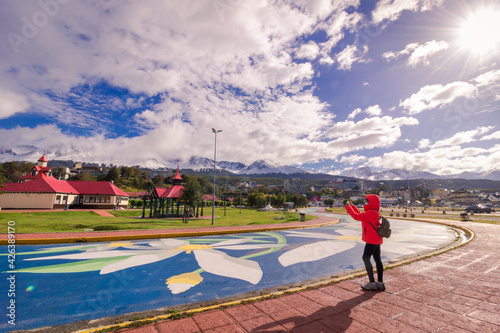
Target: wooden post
[[143, 207]]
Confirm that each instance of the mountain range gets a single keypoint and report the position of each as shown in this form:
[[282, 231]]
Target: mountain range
[[398, 174], [258, 168]]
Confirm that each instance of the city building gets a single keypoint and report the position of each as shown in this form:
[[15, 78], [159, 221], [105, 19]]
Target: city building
[[294, 185], [345, 184], [463, 197], [403, 194], [316, 201]]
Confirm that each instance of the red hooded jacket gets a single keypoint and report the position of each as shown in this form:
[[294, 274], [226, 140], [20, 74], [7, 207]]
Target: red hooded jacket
[[371, 214]]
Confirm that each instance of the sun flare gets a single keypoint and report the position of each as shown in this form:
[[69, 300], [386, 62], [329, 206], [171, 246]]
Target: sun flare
[[480, 31]]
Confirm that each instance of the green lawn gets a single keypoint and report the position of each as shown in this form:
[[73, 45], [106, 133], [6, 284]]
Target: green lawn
[[127, 220]]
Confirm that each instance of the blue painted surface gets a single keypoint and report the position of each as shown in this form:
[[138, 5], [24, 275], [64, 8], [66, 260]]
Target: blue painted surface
[[49, 299]]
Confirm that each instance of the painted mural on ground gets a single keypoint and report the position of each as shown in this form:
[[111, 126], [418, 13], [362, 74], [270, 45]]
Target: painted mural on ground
[[66, 283]]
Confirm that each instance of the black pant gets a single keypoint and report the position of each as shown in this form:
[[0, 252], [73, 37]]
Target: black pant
[[373, 250]]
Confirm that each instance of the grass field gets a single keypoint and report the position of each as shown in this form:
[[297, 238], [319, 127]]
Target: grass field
[[128, 220]]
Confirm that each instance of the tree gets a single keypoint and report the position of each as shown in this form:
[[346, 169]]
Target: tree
[[113, 175], [206, 185], [158, 180], [329, 202], [192, 193], [58, 172], [256, 200], [128, 172], [86, 176], [302, 201], [12, 171]]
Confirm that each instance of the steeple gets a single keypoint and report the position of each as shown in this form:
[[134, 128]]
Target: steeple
[[177, 179], [42, 162]]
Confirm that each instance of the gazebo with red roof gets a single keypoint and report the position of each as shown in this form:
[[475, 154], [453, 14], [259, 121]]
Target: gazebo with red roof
[[160, 197]]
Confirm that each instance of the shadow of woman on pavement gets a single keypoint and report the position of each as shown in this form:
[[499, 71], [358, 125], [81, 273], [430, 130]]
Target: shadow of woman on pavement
[[331, 318]]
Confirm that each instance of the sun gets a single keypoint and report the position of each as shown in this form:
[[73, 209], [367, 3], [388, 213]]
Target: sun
[[480, 32]]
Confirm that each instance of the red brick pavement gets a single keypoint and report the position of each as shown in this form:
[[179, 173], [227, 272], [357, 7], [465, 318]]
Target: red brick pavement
[[457, 291]]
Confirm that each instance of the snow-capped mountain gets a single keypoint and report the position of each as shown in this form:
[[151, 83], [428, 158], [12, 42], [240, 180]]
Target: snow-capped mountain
[[491, 174], [21, 153], [392, 174], [267, 167], [398, 174], [259, 167], [205, 164]]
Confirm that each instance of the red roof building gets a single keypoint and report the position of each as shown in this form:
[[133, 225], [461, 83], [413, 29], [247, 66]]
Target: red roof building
[[208, 197], [39, 190], [40, 184], [101, 188]]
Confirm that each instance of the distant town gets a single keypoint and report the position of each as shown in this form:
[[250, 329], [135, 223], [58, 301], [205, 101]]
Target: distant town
[[28, 185]]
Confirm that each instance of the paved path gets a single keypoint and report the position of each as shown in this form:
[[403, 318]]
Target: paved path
[[457, 291], [103, 212]]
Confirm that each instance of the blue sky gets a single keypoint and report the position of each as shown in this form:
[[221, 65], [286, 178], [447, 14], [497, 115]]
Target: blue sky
[[326, 85]]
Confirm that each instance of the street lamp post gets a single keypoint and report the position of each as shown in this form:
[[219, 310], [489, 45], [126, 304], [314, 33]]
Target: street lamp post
[[215, 158]]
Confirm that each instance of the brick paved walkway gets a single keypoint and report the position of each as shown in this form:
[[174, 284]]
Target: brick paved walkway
[[457, 291]]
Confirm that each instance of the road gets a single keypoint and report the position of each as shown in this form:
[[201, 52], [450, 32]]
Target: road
[[59, 284]]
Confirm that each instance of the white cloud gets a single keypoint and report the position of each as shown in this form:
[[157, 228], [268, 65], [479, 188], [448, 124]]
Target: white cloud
[[308, 51], [12, 103], [442, 161], [391, 9], [348, 136], [374, 110], [418, 53], [492, 136], [390, 55], [351, 54], [424, 143], [435, 96], [423, 52], [487, 78], [463, 137], [353, 159], [335, 28], [354, 113], [447, 156]]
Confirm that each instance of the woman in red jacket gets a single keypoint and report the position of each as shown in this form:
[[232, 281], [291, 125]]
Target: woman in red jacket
[[371, 238]]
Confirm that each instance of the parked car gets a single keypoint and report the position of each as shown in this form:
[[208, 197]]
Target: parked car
[[479, 209]]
